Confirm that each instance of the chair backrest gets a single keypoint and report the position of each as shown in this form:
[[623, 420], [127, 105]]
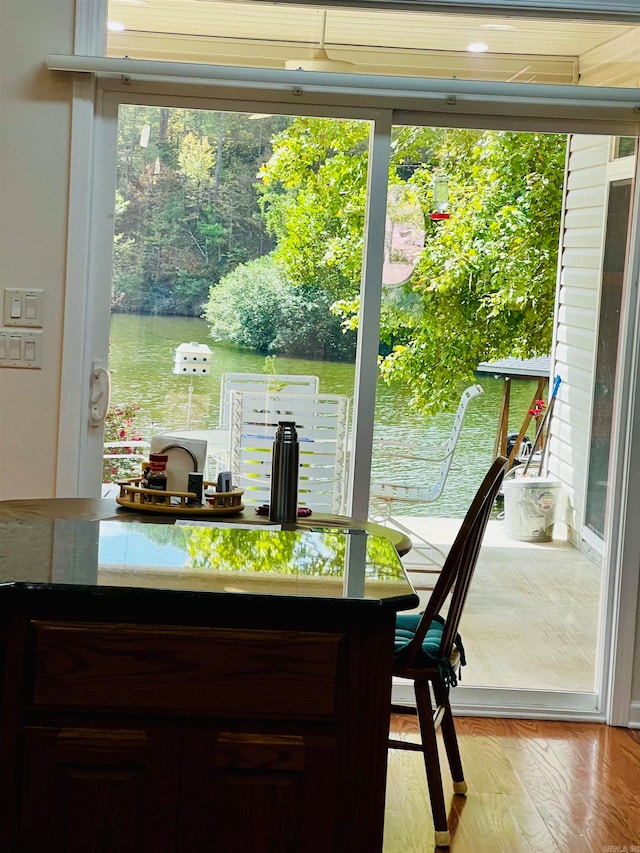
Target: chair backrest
[[292, 383], [322, 423], [459, 566], [452, 442]]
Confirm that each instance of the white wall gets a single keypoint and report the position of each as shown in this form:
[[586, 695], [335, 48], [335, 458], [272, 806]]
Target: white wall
[[577, 318], [34, 163]]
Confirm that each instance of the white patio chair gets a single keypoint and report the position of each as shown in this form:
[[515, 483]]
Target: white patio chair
[[289, 383], [322, 423], [219, 459], [383, 495]]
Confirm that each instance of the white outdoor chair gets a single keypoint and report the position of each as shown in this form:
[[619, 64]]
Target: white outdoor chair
[[383, 495], [219, 459], [322, 424], [290, 383]]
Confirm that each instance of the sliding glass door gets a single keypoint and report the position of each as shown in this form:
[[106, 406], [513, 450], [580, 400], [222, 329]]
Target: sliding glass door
[[265, 235], [218, 217], [228, 238]]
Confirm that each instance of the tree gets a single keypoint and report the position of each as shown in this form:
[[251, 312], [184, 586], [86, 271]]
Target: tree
[[256, 306], [187, 210], [313, 194], [484, 286]]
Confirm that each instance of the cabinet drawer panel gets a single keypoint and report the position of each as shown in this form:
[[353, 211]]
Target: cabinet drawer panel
[[200, 670]]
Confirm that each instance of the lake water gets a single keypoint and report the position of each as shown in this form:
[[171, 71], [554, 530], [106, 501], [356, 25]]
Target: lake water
[[141, 361]]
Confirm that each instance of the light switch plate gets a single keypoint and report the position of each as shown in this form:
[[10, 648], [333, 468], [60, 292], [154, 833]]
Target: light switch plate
[[23, 307], [21, 348]]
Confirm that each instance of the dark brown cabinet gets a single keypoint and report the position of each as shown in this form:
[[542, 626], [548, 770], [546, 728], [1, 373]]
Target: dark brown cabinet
[[227, 694], [136, 791], [222, 733], [92, 791], [263, 793]]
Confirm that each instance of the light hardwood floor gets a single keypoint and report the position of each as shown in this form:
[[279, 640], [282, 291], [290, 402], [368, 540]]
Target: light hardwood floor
[[531, 618], [534, 787]]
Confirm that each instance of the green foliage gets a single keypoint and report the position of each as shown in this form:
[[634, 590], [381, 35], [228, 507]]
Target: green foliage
[[191, 220], [484, 286], [486, 280], [270, 368], [313, 193], [256, 306], [250, 552], [187, 210]]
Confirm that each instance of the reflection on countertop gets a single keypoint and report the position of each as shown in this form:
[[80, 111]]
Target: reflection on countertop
[[331, 563]]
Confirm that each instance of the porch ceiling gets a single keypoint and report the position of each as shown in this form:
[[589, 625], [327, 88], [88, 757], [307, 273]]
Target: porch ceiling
[[233, 32]]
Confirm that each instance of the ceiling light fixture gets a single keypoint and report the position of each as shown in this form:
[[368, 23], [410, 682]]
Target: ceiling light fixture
[[319, 60], [477, 47]]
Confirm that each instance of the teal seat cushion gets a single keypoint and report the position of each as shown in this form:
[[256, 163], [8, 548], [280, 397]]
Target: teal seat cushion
[[406, 626]]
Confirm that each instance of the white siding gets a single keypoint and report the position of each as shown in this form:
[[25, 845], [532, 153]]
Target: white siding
[[576, 318]]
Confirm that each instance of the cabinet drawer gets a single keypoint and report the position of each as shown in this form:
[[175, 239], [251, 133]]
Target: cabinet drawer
[[166, 669]]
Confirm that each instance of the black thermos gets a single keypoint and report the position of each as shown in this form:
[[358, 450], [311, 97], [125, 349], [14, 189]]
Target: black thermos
[[283, 506]]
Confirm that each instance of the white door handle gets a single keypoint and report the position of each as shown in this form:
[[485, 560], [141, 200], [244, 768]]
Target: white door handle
[[100, 395]]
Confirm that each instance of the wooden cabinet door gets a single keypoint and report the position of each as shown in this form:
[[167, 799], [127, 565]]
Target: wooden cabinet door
[[264, 793], [100, 791]]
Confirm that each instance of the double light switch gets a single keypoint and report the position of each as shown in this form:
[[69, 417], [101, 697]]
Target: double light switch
[[20, 348], [21, 334], [23, 307]]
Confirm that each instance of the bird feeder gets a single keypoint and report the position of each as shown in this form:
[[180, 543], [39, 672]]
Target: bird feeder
[[192, 359], [440, 197]]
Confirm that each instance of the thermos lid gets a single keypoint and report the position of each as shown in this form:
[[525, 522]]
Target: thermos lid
[[286, 429]]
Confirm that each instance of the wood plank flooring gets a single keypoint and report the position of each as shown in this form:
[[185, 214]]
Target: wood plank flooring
[[534, 787]]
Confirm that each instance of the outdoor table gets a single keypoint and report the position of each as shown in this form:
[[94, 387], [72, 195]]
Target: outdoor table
[[516, 368]]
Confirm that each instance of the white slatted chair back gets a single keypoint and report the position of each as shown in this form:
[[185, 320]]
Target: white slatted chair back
[[322, 424], [290, 383]]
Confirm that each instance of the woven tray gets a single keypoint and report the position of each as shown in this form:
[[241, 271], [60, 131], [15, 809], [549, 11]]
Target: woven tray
[[133, 496]]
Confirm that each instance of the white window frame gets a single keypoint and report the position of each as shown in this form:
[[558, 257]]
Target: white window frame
[[439, 103]]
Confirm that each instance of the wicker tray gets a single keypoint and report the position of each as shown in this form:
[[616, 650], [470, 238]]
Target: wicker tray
[[133, 496]]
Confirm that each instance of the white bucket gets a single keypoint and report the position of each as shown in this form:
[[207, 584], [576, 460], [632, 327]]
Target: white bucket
[[531, 506]]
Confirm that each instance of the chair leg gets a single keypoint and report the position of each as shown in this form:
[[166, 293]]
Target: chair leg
[[432, 763], [447, 725]]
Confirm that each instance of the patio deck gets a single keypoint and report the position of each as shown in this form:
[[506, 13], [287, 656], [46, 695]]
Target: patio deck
[[531, 618]]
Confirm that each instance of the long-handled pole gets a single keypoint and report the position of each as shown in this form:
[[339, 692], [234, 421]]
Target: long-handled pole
[[189, 403], [543, 425]]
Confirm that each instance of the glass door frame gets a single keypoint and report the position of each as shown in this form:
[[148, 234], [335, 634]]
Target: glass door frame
[[103, 127], [371, 280], [617, 170]]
